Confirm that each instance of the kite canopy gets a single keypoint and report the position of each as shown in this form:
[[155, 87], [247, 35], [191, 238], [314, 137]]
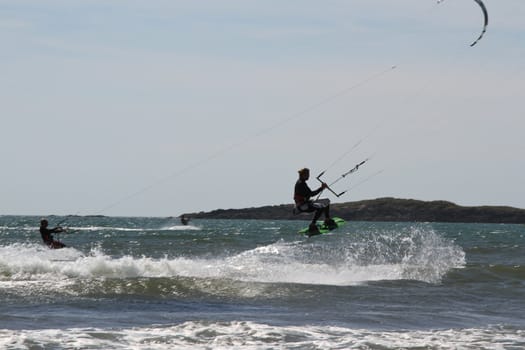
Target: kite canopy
[[486, 15], [486, 22]]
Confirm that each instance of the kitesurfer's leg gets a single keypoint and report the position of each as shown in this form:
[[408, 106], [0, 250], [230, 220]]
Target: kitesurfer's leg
[[316, 217], [330, 223], [312, 228], [327, 212], [318, 209], [324, 208], [56, 245]]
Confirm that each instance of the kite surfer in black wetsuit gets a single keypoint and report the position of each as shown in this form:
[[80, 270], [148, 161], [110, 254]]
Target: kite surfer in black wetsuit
[[303, 203], [184, 220], [47, 236]]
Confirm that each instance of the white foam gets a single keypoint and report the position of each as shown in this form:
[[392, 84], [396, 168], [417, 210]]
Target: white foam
[[250, 335], [110, 228], [181, 228], [421, 256]]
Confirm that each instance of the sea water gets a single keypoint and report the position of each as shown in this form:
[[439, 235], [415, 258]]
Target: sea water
[[151, 283]]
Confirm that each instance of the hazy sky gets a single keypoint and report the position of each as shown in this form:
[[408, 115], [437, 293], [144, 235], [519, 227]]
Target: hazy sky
[[156, 108]]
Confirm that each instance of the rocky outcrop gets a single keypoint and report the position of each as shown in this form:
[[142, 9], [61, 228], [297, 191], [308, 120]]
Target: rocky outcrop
[[382, 209]]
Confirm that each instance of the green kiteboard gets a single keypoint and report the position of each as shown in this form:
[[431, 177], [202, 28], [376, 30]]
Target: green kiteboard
[[322, 228]]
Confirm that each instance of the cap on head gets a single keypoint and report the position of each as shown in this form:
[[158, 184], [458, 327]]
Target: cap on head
[[43, 222]]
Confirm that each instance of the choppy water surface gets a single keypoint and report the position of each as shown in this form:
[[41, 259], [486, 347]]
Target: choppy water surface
[[151, 283]]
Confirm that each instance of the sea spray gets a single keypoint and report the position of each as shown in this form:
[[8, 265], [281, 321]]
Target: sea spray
[[130, 283]]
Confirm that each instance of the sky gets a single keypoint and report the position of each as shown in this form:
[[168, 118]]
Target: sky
[[158, 108]]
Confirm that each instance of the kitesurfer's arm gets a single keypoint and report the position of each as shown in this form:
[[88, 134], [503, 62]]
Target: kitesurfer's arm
[[46, 233], [317, 191], [303, 190]]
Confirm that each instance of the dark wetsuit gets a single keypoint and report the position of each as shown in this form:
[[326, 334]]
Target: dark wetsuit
[[184, 220], [302, 194], [47, 237]]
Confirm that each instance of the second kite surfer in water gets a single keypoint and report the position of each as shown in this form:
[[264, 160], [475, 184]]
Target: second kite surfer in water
[[47, 236]]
